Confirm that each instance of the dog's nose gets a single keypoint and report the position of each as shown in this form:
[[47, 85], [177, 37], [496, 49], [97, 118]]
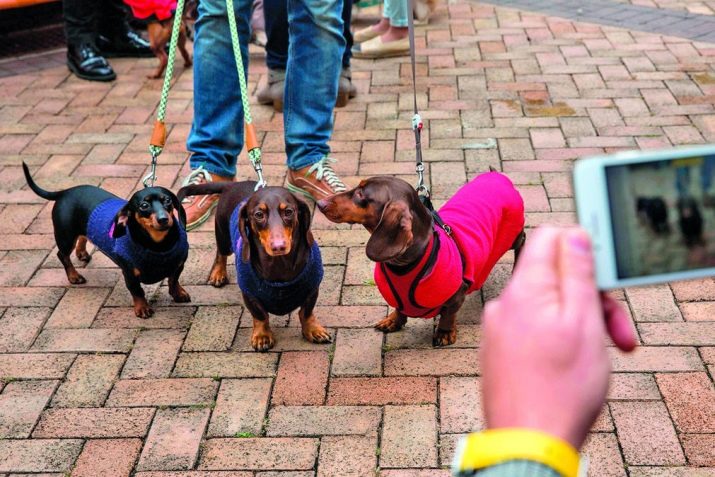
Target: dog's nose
[[322, 204], [278, 245], [162, 220]]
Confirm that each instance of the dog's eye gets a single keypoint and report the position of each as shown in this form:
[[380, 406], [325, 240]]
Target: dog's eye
[[168, 203], [144, 206], [288, 213], [259, 215]]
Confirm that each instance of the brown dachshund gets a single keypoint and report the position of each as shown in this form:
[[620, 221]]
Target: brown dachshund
[[278, 263], [159, 33], [423, 270]]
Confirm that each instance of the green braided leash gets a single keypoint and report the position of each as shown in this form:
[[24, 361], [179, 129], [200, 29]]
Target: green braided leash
[[252, 147], [158, 137]]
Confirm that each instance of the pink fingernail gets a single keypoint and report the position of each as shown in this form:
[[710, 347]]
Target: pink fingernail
[[580, 243]]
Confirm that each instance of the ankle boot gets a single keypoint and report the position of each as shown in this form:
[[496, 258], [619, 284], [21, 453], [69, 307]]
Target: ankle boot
[[346, 88], [273, 91]]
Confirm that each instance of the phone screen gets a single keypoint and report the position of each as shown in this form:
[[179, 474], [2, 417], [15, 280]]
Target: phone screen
[[663, 215]]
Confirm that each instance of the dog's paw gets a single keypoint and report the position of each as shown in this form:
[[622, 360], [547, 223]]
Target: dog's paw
[[390, 324], [218, 277], [181, 295], [262, 340], [315, 333], [143, 310], [76, 279], [444, 338], [84, 256]]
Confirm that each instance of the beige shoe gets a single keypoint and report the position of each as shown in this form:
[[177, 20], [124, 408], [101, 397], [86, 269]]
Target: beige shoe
[[317, 181], [376, 48], [198, 207], [365, 34]]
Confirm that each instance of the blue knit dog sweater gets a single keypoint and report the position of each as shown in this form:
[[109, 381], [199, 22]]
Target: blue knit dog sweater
[[278, 298], [153, 266]]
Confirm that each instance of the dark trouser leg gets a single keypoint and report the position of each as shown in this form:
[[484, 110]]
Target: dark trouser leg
[[276, 17], [79, 18], [347, 18], [111, 18]]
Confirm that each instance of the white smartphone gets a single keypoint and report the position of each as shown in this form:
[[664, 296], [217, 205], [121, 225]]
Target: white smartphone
[[650, 214]]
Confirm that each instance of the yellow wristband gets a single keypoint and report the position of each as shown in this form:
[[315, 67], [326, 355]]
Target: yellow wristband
[[495, 446]]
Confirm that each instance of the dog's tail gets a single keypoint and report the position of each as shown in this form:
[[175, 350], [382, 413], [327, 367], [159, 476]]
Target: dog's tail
[[45, 194], [203, 189]]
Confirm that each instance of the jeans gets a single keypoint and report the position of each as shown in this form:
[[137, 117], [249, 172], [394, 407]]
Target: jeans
[[312, 73], [396, 12], [84, 19], [276, 15]]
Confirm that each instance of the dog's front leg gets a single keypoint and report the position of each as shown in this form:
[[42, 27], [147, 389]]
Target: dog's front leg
[[262, 336], [141, 306], [394, 322], [446, 332], [177, 292], [312, 330]]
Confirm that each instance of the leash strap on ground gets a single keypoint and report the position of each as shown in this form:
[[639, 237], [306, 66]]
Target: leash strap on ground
[[251, 139], [158, 136]]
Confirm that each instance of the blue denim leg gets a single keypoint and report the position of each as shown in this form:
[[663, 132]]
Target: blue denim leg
[[682, 180], [706, 173], [396, 12], [216, 136], [314, 62]]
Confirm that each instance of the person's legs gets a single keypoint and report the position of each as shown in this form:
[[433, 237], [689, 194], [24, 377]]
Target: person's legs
[[79, 16], [347, 34], [387, 38], [114, 37], [216, 136], [276, 24], [314, 63]]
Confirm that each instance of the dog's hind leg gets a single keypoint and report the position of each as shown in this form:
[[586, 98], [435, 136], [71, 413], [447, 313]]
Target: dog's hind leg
[[218, 276], [177, 292], [65, 240], [81, 249], [182, 46]]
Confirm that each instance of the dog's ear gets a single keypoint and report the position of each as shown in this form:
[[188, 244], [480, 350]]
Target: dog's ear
[[304, 218], [393, 233], [243, 225], [119, 225]]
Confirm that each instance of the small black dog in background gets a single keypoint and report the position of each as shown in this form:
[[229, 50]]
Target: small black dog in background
[[690, 221], [654, 212]]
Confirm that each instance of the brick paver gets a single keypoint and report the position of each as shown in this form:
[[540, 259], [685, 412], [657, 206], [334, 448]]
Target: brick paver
[[86, 387]]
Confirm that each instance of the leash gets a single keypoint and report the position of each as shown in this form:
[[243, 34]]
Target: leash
[[158, 137], [423, 191], [251, 139]]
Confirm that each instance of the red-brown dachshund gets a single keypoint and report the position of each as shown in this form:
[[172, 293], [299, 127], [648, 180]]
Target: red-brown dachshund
[[421, 270], [278, 263]]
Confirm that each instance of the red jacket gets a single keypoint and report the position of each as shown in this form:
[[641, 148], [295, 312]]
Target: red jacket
[[486, 215], [162, 9]]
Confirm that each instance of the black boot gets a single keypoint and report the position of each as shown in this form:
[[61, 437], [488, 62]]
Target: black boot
[[87, 63], [126, 44]]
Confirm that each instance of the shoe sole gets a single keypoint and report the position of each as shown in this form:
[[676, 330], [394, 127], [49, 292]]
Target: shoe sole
[[298, 190], [342, 100], [379, 55], [83, 76], [200, 221]]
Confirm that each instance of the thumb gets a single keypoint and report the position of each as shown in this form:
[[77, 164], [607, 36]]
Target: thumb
[[576, 273]]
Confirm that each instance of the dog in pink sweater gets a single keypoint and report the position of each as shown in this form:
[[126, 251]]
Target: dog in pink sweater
[[421, 270]]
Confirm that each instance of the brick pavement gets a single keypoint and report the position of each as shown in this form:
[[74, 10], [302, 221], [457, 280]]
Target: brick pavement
[[88, 388]]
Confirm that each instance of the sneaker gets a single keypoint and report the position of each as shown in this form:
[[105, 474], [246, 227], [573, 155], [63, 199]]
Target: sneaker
[[317, 181], [198, 207]]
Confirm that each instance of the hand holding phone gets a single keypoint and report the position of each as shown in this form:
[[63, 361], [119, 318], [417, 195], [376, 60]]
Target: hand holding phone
[[650, 214]]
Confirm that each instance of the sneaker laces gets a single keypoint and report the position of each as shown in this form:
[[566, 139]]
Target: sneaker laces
[[324, 171], [197, 176]]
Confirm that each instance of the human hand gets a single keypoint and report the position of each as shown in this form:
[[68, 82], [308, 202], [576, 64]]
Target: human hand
[[544, 360]]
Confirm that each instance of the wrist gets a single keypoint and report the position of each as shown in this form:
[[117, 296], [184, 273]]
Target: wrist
[[496, 446]]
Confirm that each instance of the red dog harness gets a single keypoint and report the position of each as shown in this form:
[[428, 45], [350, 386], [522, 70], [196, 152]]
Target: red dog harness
[[486, 215]]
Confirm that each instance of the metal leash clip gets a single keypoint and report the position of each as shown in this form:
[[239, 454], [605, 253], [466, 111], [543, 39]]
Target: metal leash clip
[[149, 179], [255, 157]]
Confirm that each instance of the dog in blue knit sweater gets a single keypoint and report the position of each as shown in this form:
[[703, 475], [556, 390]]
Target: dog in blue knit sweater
[[278, 263], [140, 235]]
